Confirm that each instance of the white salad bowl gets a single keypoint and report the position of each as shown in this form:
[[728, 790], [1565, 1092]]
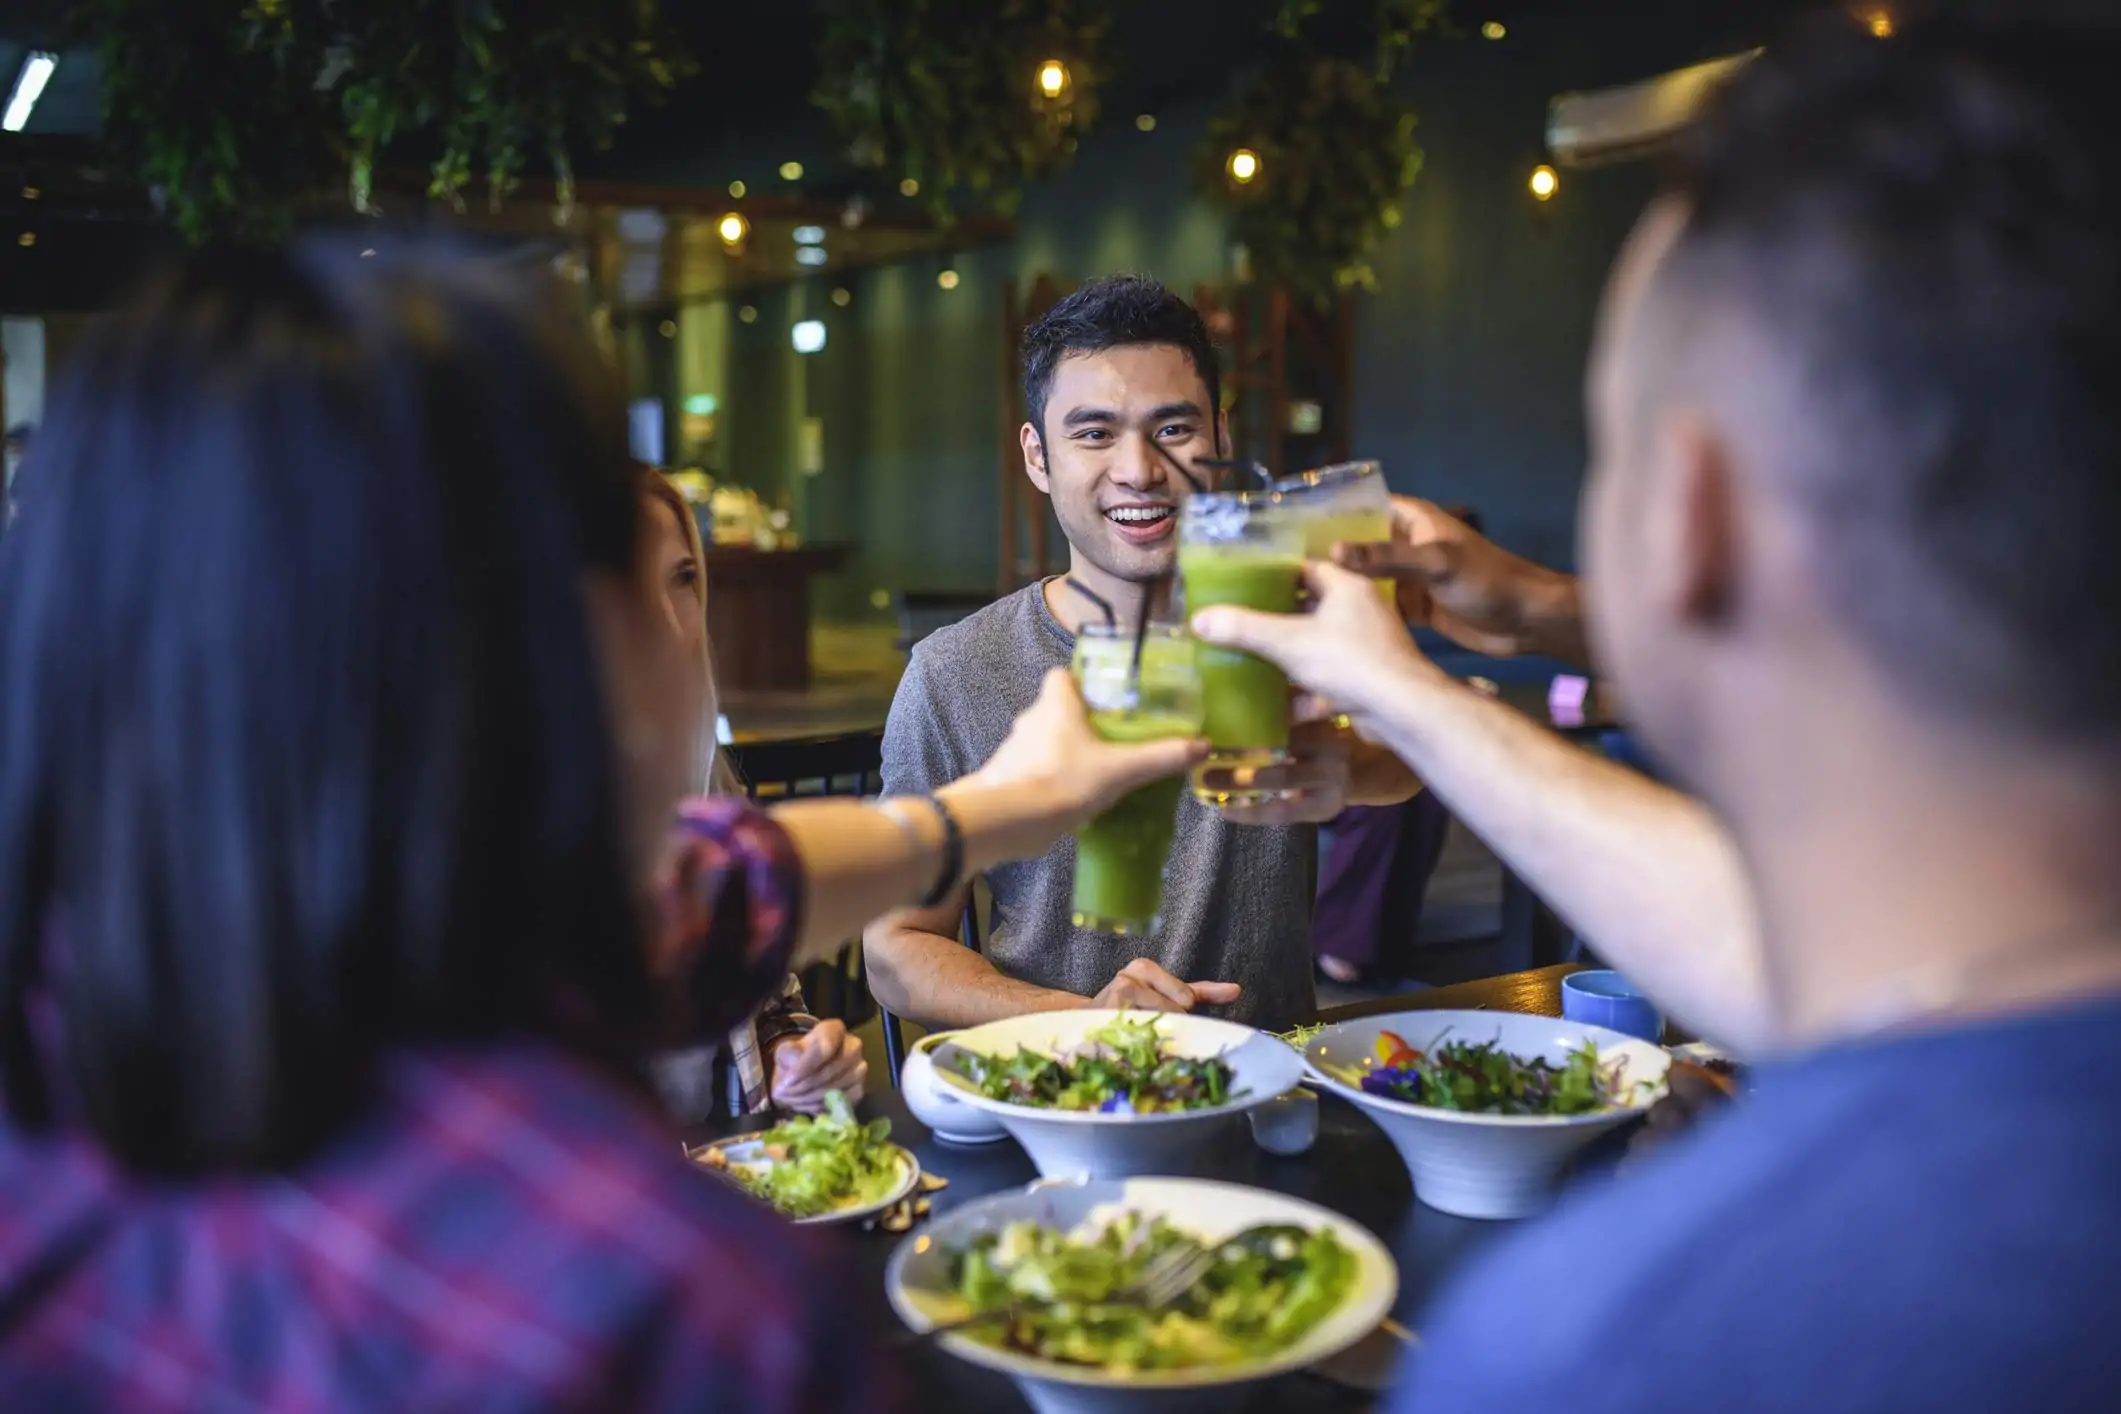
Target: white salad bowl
[[1484, 1165], [1063, 1142], [918, 1281], [938, 1107]]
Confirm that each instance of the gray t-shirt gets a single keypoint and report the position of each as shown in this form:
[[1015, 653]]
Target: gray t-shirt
[[1237, 901]]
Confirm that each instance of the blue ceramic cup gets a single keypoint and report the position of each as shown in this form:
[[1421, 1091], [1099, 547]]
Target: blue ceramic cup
[[1610, 1000]]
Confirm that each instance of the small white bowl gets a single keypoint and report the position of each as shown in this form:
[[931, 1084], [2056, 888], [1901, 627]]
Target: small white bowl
[[1483, 1165], [918, 1283], [1287, 1124], [1063, 1142], [936, 1106]]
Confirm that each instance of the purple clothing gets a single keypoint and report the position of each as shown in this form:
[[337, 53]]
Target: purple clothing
[[504, 1228], [1375, 878]]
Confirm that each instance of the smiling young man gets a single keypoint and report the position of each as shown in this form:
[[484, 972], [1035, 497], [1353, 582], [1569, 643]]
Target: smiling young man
[[1119, 380]]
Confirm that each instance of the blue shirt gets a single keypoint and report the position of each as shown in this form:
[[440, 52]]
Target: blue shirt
[[1930, 1222]]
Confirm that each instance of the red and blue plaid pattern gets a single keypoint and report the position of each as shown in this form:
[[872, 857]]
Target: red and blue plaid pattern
[[506, 1229]]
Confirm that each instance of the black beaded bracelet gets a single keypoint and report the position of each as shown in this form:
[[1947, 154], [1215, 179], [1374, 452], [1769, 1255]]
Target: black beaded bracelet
[[953, 853]]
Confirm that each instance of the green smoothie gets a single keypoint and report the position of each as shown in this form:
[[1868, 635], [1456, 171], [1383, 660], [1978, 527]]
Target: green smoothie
[[1246, 698], [1119, 856]]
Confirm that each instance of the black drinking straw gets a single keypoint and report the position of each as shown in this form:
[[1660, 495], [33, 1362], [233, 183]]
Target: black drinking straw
[[1266, 477], [1104, 606], [1141, 627]]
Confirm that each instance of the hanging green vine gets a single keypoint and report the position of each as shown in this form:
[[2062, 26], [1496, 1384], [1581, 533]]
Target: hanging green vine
[[501, 89], [947, 93], [1334, 152], [235, 111], [214, 107]]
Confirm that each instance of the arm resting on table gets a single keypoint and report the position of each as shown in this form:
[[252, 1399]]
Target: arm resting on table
[[921, 972]]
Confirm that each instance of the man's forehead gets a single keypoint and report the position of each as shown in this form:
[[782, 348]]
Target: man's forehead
[[1127, 376], [1621, 311]]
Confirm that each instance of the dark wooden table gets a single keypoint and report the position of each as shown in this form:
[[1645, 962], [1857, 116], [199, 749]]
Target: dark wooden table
[[1353, 1169]]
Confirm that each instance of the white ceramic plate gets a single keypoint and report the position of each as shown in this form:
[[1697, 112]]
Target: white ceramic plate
[[1483, 1165], [748, 1151], [918, 1281], [1068, 1142]]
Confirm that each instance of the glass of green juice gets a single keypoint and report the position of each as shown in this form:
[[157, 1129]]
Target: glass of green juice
[[1244, 548], [1346, 503], [1119, 856]]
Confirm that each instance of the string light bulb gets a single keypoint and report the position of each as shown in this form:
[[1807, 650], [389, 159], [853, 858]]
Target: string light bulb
[[1243, 165], [1493, 29], [732, 228], [1145, 123], [737, 189], [1053, 78], [909, 187], [1545, 182], [946, 278], [791, 171], [1880, 23]]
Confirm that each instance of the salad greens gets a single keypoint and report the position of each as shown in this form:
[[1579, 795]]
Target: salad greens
[[1070, 1300], [1481, 1077], [1120, 1068], [811, 1165]]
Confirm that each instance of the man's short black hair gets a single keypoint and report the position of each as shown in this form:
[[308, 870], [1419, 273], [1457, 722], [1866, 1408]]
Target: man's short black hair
[[1929, 226], [1114, 311]]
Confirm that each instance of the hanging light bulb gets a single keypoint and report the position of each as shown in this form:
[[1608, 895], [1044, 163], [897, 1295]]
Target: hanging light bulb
[[1544, 182], [733, 228], [1053, 78], [946, 278], [1243, 165]]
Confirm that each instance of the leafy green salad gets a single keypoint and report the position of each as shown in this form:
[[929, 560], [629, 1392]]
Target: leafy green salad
[[1481, 1077], [808, 1165], [1120, 1068], [1068, 1294]]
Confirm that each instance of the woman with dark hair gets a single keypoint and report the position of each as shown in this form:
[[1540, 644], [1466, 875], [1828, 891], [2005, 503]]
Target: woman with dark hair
[[336, 750]]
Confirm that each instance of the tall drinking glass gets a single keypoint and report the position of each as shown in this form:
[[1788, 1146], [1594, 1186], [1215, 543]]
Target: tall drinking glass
[[1119, 856], [1343, 503], [1243, 548]]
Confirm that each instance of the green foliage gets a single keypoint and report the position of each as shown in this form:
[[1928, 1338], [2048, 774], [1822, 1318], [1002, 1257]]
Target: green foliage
[[1336, 151], [946, 91], [1336, 154], [235, 110], [500, 88], [213, 105]]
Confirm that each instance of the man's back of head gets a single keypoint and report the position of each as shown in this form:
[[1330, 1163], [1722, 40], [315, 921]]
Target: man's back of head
[[1854, 523]]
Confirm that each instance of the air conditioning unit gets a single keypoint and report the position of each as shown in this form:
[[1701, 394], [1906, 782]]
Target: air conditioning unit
[[1614, 124]]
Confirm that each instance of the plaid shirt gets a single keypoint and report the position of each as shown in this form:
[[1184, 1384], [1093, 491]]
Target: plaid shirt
[[505, 1229]]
